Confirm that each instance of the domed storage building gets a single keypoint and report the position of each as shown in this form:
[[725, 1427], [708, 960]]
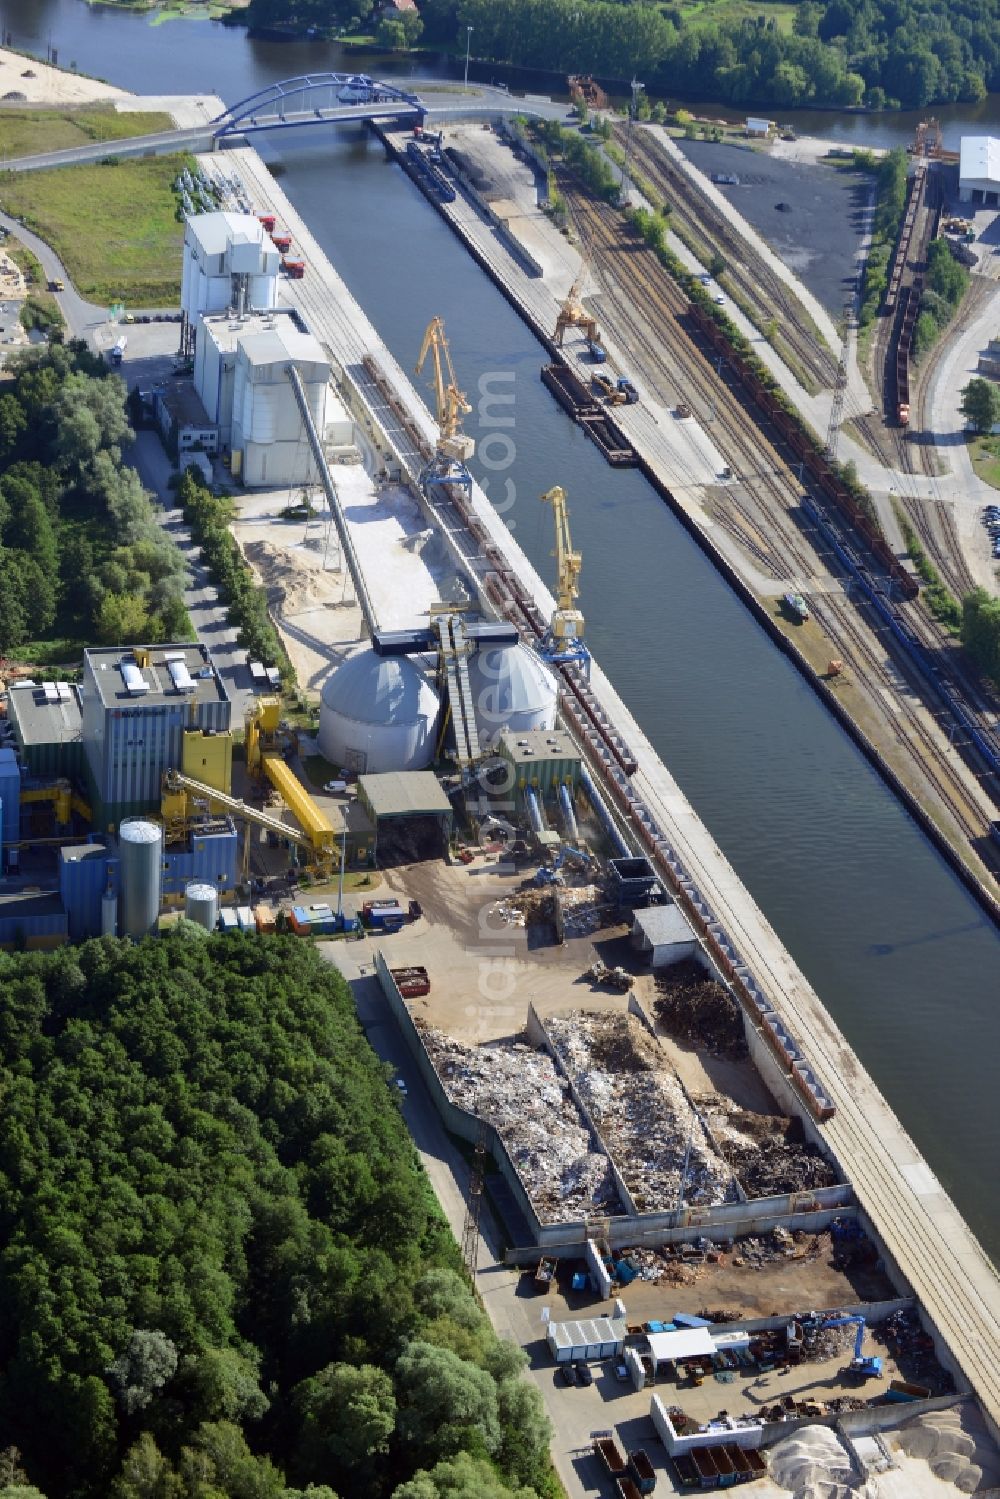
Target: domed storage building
[[378, 713], [511, 689]]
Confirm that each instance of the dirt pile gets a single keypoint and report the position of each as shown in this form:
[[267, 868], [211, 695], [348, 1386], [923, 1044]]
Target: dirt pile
[[693, 1007], [520, 1092], [636, 1100], [294, 580], [767, 1152]]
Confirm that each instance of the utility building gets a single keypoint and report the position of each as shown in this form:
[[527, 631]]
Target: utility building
[[240, 375], [230, 261], [136, 706], [979, 170]]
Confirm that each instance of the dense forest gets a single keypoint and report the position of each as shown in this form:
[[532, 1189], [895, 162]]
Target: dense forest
[[81, 552], [882, 53], [222, 1270]]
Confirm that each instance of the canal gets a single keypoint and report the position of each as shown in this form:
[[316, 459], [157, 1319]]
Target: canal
[[899, 952]]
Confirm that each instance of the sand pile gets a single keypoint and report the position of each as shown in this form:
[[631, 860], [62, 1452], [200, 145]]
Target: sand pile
[[956, 1447], [294, 580], [25, 78], [812, 1464]]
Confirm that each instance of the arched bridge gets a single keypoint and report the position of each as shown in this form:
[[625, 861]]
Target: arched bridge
[[315, 98]]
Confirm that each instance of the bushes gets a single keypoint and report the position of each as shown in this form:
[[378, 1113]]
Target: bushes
[[209, 518], [946, 285], [890, 174]]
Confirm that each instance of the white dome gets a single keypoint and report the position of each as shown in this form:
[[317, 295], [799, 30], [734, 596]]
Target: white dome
[[511, 689], [378, 713]]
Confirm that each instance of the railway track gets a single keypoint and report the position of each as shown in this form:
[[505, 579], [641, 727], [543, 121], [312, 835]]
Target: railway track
[[757, 283], [763, 518]]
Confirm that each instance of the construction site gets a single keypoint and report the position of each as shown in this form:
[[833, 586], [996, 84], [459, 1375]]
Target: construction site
[[660, 1111]]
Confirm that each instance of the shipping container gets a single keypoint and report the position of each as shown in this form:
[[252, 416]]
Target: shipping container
[[227, 920], [265, 919]]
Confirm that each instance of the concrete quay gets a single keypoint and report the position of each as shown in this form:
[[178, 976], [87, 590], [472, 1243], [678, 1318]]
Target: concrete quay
[[929, 1248]]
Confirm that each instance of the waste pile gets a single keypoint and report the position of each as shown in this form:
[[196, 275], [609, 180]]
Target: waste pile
[[913, 1349], [813, 1461], [756, 1251], [766, 1151], [584, 909], [693, 1007], [636, 1101], [526, 908], [519, 1090], [956, 1447]]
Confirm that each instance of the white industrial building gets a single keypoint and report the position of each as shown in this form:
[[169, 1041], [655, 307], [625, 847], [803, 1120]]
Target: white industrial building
[[240, 376], [662, 933], [979, 170], [229, 262]]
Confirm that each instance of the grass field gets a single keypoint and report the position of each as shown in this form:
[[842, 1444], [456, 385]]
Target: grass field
[[703, 12], [985, 455], [113, 227], [29, 132]]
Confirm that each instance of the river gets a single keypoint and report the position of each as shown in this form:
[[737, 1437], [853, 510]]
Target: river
[[897, 949]]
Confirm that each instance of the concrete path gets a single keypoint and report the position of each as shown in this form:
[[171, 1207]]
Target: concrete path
[[928, 1244]]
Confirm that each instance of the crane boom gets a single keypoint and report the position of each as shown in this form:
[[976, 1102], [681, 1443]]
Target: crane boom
[[453, 445], [566, 629]]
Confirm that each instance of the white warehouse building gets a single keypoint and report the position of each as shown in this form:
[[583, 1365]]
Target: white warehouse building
[[240, 375], [979, 170], [229, 262]]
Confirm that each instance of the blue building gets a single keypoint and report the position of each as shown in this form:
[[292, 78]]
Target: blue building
[[10, 800], [136, 705]]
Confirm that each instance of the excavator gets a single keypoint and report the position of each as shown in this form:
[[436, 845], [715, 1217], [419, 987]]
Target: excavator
[[453, 449], [860, 1366], [573, 314], [564, 640]]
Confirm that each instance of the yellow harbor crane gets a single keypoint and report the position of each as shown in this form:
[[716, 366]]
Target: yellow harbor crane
[[453, 449], [573, 314], [566, 627]]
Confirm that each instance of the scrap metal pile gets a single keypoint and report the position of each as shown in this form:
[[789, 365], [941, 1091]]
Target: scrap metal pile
[[693, 1007], [518, 1090], [636, 1101], [767, 1151]]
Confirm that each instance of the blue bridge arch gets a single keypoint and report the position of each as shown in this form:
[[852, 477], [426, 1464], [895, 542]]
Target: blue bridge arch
[[318, 98]]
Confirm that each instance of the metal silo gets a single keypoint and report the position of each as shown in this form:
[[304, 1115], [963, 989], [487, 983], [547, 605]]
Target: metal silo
[[201, 905], [141, 852]]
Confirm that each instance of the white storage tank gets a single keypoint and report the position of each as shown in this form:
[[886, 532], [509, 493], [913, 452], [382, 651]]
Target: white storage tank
[[378, 713], [512, 688], [141, 853], [201, 905]]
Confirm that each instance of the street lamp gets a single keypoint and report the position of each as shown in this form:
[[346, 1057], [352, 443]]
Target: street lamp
[[637, 88], [468, 44]]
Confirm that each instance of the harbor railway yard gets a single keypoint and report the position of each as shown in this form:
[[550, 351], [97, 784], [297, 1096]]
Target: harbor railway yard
[[676, 1155]]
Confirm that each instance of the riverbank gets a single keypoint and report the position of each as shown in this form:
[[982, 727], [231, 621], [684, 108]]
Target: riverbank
[[23, 79]]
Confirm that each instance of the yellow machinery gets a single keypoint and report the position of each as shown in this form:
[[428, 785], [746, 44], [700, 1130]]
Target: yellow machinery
[[572, 313], [453, 447], [207, 775], [60, 794], [566, 626]]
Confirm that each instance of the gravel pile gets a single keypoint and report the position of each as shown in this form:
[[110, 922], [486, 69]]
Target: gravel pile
[[518, 1090], [812, 1463], [641, 1110], [956, 1446]]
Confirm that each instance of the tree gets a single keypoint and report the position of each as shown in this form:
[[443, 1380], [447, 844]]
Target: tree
[[527, 1430], [224, 1386], [980, 631], [146, 1473], [143, 1368], [460, 1477], [121, 617], [446, 1403], [347, 1416], [981, 404]]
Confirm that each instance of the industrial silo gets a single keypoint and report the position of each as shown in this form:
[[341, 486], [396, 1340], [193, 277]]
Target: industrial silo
[[512, 688], [141, 854], [378, 713], [201, 905], [109, 914]]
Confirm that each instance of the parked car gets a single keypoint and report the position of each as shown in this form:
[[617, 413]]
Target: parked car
[[583, 1374], [564, 1374]]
